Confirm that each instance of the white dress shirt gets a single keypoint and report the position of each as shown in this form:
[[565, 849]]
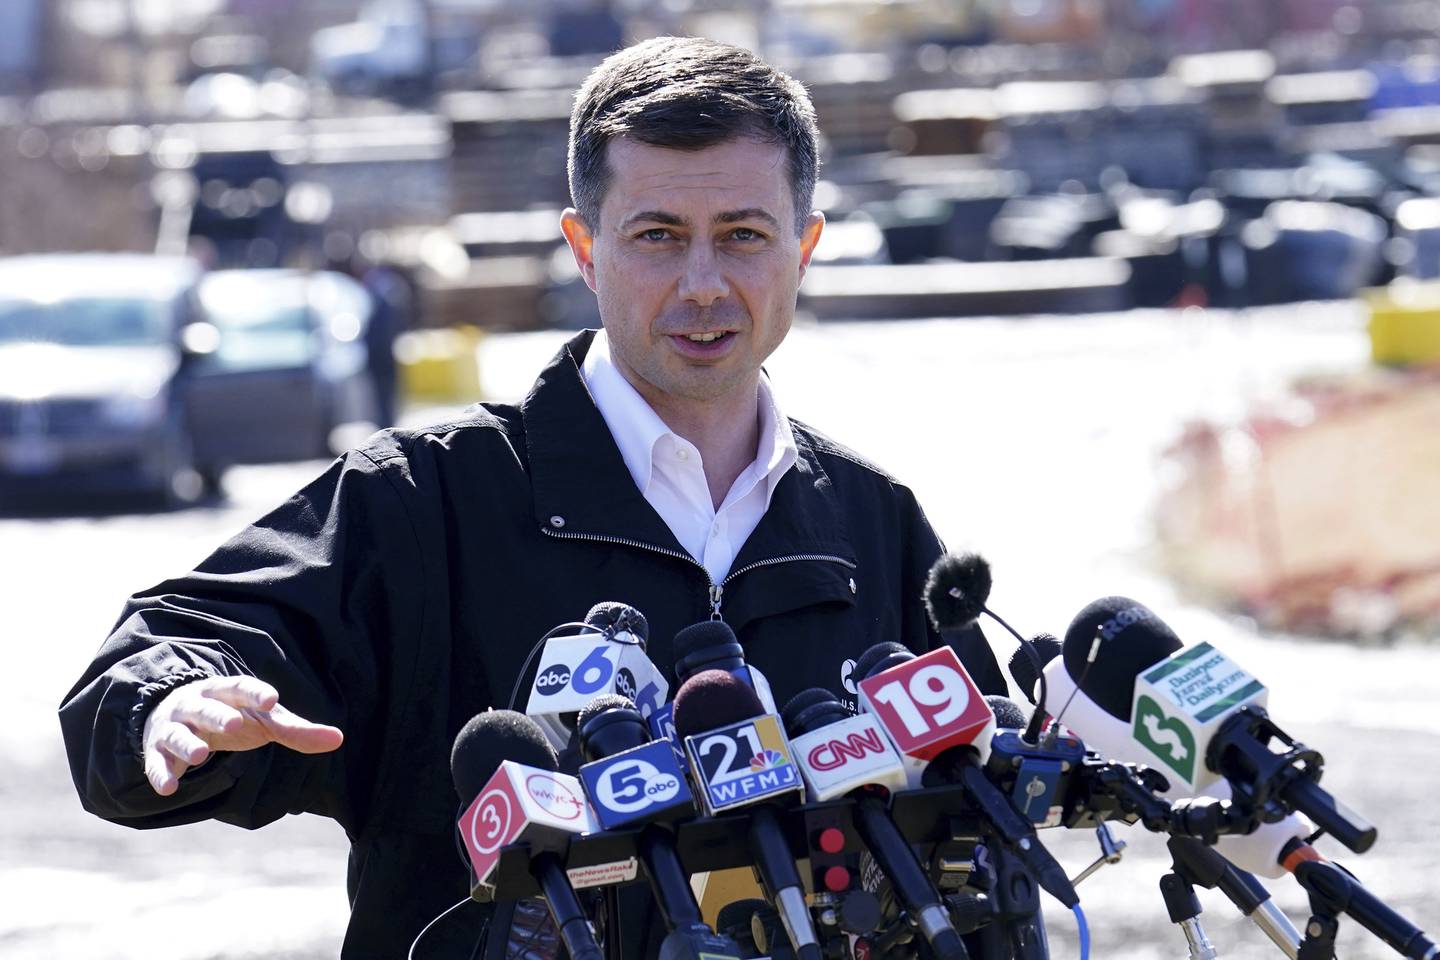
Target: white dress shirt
[[670, 475]]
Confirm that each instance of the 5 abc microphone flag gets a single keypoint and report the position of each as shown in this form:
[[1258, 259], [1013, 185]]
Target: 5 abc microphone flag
[[884, 805]]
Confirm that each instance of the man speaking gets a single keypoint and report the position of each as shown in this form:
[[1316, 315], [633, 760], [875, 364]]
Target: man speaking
[[324, 659]]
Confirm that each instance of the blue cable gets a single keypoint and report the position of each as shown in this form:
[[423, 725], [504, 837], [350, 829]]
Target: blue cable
[[1084, 932]]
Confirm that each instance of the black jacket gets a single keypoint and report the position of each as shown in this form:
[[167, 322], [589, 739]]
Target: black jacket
[[400, 592]]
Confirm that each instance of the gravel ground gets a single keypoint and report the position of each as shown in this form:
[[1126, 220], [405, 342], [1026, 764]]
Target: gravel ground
[[1034, 441]]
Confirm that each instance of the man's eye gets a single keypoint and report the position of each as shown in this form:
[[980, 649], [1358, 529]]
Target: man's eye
[[745, 235], [654, 235]]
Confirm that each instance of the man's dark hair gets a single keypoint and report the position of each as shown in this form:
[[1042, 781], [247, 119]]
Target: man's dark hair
[[688, 93]]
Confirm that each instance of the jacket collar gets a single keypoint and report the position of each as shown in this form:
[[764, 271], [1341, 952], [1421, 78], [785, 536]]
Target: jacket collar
[[582, 486]]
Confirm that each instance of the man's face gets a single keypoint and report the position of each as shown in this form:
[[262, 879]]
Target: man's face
[[696, 264]]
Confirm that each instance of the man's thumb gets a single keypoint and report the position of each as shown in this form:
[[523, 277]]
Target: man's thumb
[[297, 733]]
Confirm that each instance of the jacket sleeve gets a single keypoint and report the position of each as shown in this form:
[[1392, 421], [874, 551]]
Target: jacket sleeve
[[322, 599], [968, 642]]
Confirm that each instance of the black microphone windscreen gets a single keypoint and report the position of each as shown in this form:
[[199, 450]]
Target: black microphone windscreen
[[865, 666], [956, 590], [805, 698], [606, 701], [712, 699], [1009, 715], [699, 636], [491, 738], [1022, 668], [613, 617], [810, 710], [1132, 639]]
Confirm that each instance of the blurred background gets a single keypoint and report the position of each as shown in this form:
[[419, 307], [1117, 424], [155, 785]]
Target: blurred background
[[1157, 283]]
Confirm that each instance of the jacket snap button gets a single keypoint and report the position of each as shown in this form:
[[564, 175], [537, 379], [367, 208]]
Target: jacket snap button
[[558, 521], [852, 584]]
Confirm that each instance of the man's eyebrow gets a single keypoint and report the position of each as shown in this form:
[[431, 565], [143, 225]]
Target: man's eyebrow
[[654, 216], [729, 216], [749, 213]]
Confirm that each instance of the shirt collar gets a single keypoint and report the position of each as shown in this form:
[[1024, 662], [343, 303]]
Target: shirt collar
[[637, 428]]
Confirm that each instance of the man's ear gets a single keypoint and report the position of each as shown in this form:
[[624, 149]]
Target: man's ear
[[578, 235], [809, 237]]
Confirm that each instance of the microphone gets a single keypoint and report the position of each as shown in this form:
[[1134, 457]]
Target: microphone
[[633, 781], [956, 590], [1338, 890], [932, 711], [740, 758], [1196, 715], [1023, 669], [610, 658], [629, 777], [505, 762], [841, 754], [712, 645], [926, 705], [708, 645]]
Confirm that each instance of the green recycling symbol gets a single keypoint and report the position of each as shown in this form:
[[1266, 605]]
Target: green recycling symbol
[[1167, 738]]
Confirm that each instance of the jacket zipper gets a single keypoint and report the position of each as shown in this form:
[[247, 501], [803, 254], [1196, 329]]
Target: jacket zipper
[[716, 590]]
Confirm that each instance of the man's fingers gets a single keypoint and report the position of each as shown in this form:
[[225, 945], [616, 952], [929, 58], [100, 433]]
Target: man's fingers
[[181, 742], [242, 692], [295, 732], [207, 715], [162, 770]]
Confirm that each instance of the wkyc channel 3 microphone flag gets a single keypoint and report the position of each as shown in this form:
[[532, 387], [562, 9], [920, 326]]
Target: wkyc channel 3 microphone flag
[[1179, 704], [743, 762], [521, 803]]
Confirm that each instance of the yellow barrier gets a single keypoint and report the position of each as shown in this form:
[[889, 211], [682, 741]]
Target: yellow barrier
[[1404, 323], [440, 365]]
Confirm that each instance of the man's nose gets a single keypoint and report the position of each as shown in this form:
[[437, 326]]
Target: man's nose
[[702, 282]]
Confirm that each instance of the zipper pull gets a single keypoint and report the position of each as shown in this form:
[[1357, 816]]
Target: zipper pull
[[716, 592]]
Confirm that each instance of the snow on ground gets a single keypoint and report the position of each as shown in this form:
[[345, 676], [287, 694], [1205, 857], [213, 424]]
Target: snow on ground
[[1034, 441]]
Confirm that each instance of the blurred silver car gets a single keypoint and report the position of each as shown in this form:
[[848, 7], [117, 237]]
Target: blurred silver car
[[90, 358], [123, 373], [280, 366]]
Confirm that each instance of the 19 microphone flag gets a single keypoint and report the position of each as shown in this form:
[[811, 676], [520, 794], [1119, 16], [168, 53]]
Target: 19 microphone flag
[[904, 825]]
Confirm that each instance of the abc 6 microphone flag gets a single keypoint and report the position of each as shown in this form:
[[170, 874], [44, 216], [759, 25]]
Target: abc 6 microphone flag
[[574, 670], [927, 705], [738, 764], [517, 797], [1180, 703]]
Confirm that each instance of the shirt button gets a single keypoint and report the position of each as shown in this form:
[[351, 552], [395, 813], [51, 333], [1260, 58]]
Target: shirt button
[[852, 584], [682, 454]]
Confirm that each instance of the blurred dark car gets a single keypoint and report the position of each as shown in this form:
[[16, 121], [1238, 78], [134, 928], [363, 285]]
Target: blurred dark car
[[279, 371], [90, 359]]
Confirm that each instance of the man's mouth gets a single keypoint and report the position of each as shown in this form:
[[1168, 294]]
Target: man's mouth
[[706, 337]]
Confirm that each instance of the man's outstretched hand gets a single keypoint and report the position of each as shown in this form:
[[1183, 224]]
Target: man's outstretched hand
[[223, 713]]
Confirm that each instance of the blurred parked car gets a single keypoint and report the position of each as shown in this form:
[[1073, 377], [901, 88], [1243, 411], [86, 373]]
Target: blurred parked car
[[90, 364], [123, 373], [280, 366]]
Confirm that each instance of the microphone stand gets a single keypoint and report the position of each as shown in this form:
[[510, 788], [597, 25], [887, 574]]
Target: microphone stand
[[1184, 909], [1201, 865], [1015, 896]]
